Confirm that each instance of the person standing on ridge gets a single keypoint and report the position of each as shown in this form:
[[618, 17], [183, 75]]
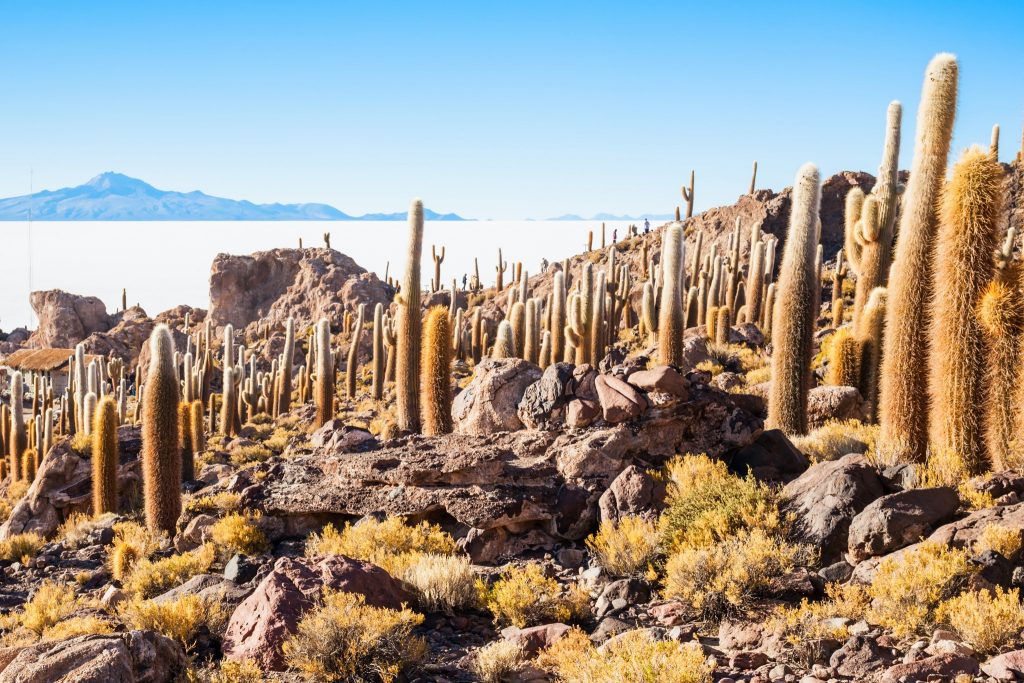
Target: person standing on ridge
[[647, 226]]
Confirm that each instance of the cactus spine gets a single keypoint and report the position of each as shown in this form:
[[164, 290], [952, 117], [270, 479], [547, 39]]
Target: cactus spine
[[968, 235], [407, 370], [670, 314], [435, 385], [187, 449], [903, 396], [161, 455], [104, 458], [870, 335], [1002, 318], [796, 299], [504, 345], [844, 359]]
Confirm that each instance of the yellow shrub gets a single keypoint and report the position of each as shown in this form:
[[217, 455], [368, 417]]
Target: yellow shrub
[[346, 640], [21, 547], [78, 626], [627, 547], [180, 620], [836, 438], [244, 455], [77, 527], [707, 504], [132, 542], [279, 439], [758, 376], [246, 671], [14, 493], [805, 626], [634, 657], [238, 533], [523, 597], [50, 604], [496, 661], [152, 577], [81, 443], [725, 577], [223, 501], [1001, 539], [442, 582], [388, 544], [907, 589], [987, 621], [971, 497]]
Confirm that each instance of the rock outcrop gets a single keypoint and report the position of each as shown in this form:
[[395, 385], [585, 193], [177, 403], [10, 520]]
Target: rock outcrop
[[66, 319]]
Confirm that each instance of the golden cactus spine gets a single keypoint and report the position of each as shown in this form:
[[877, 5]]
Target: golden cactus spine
[[903, 391], [797, 296], [870, 334], [670, 313], [161, 456], [1002, 317], [187, 449], [504, 344], [407, 361], [284, 388], [844, 359], [435, 385], [104, 458], [968, 236]]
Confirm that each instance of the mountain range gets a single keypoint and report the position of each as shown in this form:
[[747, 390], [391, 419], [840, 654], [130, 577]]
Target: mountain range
[[116, 197]]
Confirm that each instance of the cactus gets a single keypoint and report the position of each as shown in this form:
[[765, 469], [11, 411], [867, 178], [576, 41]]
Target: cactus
[[161, 456], [378, 352], [670, 313], [887, 187], [230, 421], [1004, 256], [18, 436], [792, 319], [838, 276], [327, 240], [104, 458], [649, 312], [557, 311], [844, 359], [500, 269], [438, 260], [29, 464], [753, 179], [352, 362], [903, 396], [504, 344], [187, 449], [284, 391], [407, 370], [993, 146], [1002, 318], [596, 325], [854, 207], [517, 318], [722, 323], [755, 282], [870, 335], [688, 196], [435, 385], [968, 234], [869, 273], [196, 423], [324, 392], [531, 334]]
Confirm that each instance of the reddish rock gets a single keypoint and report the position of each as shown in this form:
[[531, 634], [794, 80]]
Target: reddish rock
[[1008, 666], [535, 638], [581, 413], [945, 666], [897, 520], [263, 621], [662, 378], [619, 401], [829, 402], [633, 493], [66, 319], [490, 403]]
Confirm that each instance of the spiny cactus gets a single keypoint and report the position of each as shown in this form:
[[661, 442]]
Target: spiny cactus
[[1004, 256], [870, 334], [869, 274], [196, 423], [531, 334], [545, 349], [968, 234], [557, 312], [499, 282], [887, 186], [517, 318], [435, 383], [161, 456], [352, 362], [1002, 317], [407, 370], [187, 449], [324, 391], [903, 398], [29, 464], [438, 260], [284, 389], [844, 359], [670, 313], [723, 320], [798, 294], [327, 240], [18, 435], [688, 196], [649, 312], [993, 146], [230, 421], [378, 352], [504, 345], [104, 458]]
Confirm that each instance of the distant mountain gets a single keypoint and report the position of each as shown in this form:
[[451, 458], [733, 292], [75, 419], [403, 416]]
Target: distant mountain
[[116, 197], [613, 217]]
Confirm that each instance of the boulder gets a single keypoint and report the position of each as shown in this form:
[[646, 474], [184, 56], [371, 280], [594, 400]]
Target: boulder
[[695, 352], [964, 532], [939, 667], [1009, 666], [897, 520], [535, 638], [661, 378], [131, 657], [633, 493], [542, 405], [619, 401], [860, 656], [66, 319], [826, 498], [307, 284], [262, 622], [581, 413], [771, 456], [828, 402], [490, 403]]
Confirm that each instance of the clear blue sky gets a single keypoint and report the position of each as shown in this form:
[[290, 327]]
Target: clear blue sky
[[527, 109]]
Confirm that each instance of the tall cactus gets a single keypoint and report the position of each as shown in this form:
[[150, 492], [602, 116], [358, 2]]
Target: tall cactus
[[104, 458], [670, 314], [161, 456], [796, 300], [324, 391], [378, 352], [887, 186], [435, 384], [968, 235], [903, 397], [504, 344], [407, 370], [844, 359], [352, 362], [230, 421], [531, 334], [557, 311], [188, 468], [438, 259], [18, 435], [284, 392], [196, 423], [1002, 317], [870, 243]]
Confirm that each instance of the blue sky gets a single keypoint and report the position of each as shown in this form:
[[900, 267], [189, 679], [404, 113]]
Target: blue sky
[[492, 110]]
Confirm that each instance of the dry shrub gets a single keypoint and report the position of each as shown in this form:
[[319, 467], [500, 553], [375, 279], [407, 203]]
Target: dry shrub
[[222, 501], [633, 657], [497, 661], [245, 671], [182, 619], [238, 533], [707, 504], [51, 603], [524, 596], [837, 438], [132, 543], [76, 528], [627, 547], [442, 582], [152, 577], [78, 626], [806, 626], [345, 639], [908, 588], [726, 578], [391, 544], [986, 620], [21, 547], [243, 455], [1000, 539]]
